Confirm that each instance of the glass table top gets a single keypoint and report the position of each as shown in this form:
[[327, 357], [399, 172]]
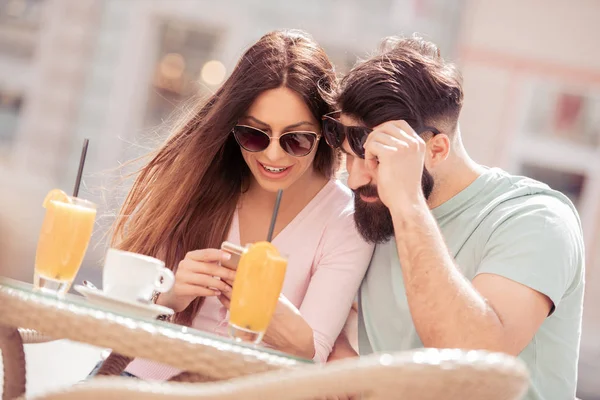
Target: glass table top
[[78, 303]]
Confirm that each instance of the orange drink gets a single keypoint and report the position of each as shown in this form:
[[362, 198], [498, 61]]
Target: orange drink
[[63, 241], [256, 289]]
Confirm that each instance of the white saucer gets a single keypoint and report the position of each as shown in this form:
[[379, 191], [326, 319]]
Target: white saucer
[[133, 308]]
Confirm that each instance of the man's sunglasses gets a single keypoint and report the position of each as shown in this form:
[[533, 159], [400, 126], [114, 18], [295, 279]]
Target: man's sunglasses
[[296, 144], [335, 133]]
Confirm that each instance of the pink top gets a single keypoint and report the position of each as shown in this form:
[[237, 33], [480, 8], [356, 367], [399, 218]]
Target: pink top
[[327, 261]]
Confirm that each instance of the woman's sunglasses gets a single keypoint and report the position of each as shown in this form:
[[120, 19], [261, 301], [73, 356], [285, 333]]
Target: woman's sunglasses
[[335, 133], [296, 144]]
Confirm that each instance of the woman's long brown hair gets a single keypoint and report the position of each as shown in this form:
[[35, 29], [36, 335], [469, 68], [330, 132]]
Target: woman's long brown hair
[[185, 198]]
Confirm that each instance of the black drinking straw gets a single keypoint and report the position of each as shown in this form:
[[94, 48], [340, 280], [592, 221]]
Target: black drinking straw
[[80, 170], [274, 217]]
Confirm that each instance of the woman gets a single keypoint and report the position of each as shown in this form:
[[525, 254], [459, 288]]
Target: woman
[[216, 179]]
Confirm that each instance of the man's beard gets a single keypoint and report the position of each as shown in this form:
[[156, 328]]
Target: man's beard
[[373, 220]]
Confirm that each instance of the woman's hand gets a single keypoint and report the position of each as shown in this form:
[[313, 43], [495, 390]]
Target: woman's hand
[[288, 331], [198, 276]]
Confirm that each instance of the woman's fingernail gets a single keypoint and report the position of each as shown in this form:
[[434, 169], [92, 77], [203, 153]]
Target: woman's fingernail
[[226, 256], [217, 293]]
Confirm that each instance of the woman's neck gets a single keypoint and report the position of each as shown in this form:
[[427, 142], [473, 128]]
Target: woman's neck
[[301, 191], [257, 206]]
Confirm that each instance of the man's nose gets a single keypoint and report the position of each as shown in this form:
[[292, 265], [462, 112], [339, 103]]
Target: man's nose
[[358, 173]]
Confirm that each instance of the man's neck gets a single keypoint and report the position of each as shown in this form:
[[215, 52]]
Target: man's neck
[[459, 174]]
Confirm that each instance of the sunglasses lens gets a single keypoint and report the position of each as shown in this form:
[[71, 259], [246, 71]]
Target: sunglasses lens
[[357, 136], [298, 144], [251, 139], [333, 131]]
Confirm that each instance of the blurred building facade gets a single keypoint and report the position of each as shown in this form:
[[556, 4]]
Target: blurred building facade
[[532, 106], [115, 70]]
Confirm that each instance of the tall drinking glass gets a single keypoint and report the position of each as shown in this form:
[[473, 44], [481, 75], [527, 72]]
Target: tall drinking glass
[[63, 241], [256, 289]]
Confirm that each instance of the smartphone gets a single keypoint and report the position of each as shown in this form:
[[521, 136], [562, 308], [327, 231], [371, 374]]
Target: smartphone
[[236, 252]]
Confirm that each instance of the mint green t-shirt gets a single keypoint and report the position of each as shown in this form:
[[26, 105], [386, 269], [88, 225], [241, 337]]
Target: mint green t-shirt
[[506, 225]]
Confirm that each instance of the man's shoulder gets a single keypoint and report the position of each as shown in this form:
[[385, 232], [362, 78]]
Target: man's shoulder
[[537, 204], [540, 226], [535, 210], [524, 215], [522, 200]]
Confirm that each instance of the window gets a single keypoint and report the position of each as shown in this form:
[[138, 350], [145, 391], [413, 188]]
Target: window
[[19, 35], [10, 106], [186, 66], [565, 114], [570, 184], [19, 24], [558, 143]]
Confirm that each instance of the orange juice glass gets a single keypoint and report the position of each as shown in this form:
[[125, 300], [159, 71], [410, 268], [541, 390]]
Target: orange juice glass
[[256, 289], [63, 241]]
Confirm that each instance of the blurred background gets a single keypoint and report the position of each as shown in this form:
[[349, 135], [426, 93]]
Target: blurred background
[[114, 71]]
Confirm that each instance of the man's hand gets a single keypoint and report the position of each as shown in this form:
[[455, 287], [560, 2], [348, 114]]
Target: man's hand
[[342, 349], [397, 154]]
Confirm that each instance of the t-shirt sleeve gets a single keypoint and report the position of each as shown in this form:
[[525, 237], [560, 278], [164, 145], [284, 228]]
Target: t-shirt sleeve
[[538, 245], [338, 273]]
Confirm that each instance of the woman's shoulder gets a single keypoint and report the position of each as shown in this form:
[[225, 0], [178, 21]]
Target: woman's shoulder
[[340, 189], [333, 205], [335, 210], [339, 228], [339, 197]]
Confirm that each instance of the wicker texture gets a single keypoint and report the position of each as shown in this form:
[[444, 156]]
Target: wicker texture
[[423, 374], [133, 338], [203, 355], [114, 364], [31, 336], [13, 358], [191, 377]]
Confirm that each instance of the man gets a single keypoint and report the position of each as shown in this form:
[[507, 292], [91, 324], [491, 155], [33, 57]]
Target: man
[[467, 256]]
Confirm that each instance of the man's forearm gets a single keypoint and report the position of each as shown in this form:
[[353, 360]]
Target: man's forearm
[[446, 309]]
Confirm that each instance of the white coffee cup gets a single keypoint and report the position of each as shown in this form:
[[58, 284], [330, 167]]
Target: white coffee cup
[[134, 277]]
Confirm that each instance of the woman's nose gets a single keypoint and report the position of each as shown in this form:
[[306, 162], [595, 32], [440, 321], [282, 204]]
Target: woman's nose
[[274, 152]]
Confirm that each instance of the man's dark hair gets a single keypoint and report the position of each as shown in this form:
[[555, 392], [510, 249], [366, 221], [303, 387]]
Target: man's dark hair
[[406, 80]]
